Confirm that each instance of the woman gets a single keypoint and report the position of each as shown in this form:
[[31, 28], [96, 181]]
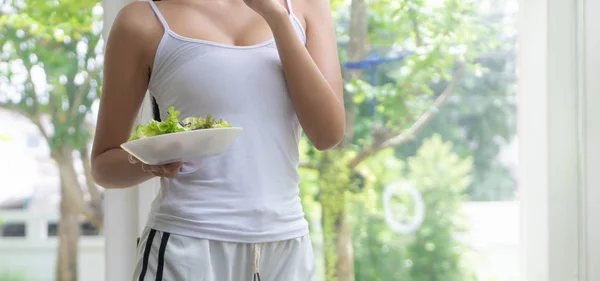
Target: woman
[[268, 66]]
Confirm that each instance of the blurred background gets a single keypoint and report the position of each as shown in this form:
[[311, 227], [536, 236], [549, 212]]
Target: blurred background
[[423, 188]]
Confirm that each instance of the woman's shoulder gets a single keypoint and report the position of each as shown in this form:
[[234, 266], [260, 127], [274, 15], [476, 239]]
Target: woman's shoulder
[[137, 24], [137, 17], [303, 9]]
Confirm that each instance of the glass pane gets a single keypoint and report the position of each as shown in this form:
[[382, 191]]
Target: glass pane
[[425, 187]]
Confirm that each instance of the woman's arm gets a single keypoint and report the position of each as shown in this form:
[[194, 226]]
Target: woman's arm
[[125, 81], [313, 72]]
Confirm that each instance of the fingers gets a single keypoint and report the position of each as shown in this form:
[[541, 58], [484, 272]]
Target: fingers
[[171, 170], [149, 168], [153, 169], [173, 166], [163, 171]]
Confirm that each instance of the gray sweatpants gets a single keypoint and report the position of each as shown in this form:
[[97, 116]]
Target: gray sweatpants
[[167, 257]]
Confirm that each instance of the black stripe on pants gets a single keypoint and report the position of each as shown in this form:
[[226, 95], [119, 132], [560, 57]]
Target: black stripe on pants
[[147, 254], [161, 255]]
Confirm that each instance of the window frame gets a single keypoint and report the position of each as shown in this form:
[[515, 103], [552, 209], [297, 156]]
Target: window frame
[[590, 103], [559, 242]]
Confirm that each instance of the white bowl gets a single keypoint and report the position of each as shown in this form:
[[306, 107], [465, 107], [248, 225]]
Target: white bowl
[[175, 147]]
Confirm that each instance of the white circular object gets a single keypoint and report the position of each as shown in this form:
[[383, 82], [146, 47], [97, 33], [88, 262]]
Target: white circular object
[[393, 223]]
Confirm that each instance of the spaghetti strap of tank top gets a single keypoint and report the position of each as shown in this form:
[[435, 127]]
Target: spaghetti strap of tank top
[[159, 15], [289, 6]]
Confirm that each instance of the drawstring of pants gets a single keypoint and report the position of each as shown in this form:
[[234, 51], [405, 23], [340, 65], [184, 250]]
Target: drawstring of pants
[[256, 262]]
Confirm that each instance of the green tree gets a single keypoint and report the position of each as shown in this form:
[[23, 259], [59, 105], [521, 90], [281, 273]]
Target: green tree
[[479, 120], [380, 253], [443, 41], [431, 253], [52, 62]]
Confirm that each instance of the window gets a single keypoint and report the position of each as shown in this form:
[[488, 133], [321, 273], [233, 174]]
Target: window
[[473, 153]]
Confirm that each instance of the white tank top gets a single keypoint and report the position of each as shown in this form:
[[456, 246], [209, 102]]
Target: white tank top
[[250, 193]]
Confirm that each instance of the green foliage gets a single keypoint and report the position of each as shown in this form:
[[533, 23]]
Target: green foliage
[[52, 62], [442, 178], [433, 252], [436, 39], [479, 120], [9, 276], [379, 252]]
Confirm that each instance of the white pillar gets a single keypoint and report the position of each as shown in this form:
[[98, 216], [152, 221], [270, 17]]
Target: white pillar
[[548, 139], [120, 233], [591, 88], [125, 210]]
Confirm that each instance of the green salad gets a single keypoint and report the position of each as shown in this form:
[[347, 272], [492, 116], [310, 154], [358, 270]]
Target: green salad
[[173, 125]]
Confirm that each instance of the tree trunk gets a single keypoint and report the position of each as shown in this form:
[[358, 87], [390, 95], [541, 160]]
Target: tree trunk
[[337, 234], [341, 258], [338, 253], [96, 197], [357, 48], [359, 28], [345, 250], [69, 227]]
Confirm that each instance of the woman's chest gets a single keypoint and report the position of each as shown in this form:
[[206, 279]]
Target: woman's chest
[[249, 83]]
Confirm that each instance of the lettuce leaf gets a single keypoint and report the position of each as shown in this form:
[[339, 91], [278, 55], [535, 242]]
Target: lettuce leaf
[[195, 123], [173, 125], [155, 128]]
